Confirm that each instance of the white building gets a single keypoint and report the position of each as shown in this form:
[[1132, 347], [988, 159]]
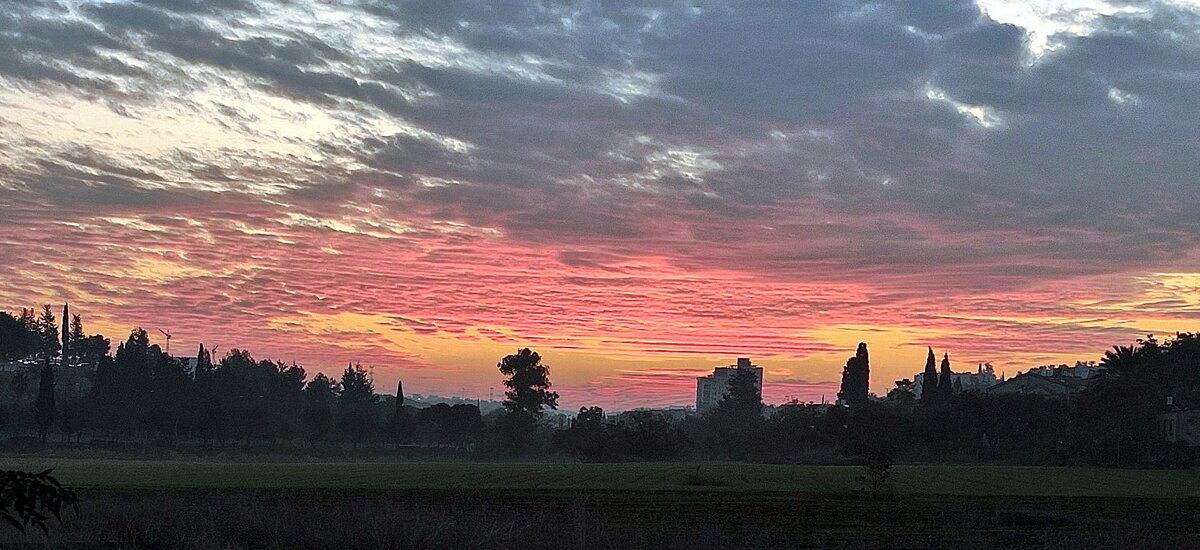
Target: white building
[[1081, 370], [712, 388]]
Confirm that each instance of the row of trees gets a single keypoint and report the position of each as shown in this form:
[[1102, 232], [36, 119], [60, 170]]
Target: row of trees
[[139, 391], [38, 336], [1111, 422]]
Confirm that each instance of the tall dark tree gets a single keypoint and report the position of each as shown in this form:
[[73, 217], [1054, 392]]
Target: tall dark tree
[[76, 336], [16, 340], [320, 394], [204, 364], [527, 393], [929, 380], [400, 425], [743, 399], [528, 383], [66, 333], [43, 410], [856, 377], [48, 329], [29, 319], [165, 398], [119, 392], [357, 415], [946, 379], [241, 384], [77, 328], [92, 349], [284, 396]]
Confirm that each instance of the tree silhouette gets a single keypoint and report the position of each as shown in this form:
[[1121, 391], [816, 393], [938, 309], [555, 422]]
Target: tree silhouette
[[284, 395], [26, 499], [856, 377], [120, 392], [66, 333], [446, 424], [1121, 360], [317, 416], [590, 417], [48, 330], [875, 472], [743, 399], [16, 340], [946, 380], [76, 336], [204, 363], [166, 394], [588, 438], [44, 408], [528, 383], [929, 380], [400, 424], [357, 416], [92, 349]]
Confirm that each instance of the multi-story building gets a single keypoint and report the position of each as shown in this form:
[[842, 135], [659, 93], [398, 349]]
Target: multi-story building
[[712, 388]]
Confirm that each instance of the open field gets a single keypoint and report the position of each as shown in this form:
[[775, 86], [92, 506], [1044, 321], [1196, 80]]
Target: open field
[[145, 504], [977, 481]]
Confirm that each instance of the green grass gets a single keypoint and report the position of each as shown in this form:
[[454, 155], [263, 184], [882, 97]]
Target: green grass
[[967, 481]]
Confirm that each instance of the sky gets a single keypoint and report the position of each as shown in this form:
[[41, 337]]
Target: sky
[[640, 191]]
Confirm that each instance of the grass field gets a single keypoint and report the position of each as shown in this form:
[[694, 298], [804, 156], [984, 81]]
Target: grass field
[[981, 481], [182, 504]]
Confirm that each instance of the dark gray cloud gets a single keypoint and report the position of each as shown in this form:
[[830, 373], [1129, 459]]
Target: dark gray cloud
[[661, 123]]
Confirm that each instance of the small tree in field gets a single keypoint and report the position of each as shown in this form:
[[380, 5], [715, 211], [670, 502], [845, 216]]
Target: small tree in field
[[875, 472]]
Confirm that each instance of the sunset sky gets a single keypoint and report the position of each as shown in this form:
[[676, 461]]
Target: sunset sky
[[640, 191]]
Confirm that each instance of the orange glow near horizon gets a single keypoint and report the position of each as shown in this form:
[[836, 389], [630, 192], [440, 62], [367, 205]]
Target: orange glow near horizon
[[439, 311]]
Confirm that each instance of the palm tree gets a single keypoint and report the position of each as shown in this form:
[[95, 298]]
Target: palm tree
[[1120, 360]]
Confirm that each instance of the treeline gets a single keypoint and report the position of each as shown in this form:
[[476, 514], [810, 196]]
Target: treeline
[[138, 392], [1111, 422]]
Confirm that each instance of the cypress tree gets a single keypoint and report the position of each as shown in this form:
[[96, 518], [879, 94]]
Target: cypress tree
[[945, 382], [929, 381], [856, 377], [399, 425], [204, 364], [66, 332]]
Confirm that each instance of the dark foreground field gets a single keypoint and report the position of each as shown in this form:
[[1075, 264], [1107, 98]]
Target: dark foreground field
[[222, 505]]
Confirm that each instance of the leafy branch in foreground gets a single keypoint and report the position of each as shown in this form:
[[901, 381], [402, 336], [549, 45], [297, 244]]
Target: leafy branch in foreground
[[26, 498]]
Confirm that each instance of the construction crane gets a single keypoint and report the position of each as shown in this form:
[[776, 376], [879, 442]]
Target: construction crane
[[168, 335]]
